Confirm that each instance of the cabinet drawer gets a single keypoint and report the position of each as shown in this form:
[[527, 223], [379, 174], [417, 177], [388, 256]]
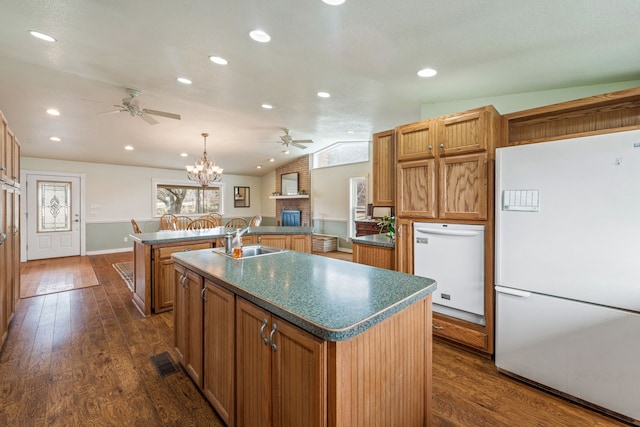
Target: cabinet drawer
[[166, 252], [459, 333]]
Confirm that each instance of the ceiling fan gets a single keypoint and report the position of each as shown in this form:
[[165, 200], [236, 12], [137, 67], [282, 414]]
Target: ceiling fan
[[287, 140], [131, 105]]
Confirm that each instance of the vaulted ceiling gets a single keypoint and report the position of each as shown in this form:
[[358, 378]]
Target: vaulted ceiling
[[364, 53]]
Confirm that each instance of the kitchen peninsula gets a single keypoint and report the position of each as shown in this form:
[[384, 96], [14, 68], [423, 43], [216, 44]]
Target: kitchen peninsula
[[153, 268], [292, 339]]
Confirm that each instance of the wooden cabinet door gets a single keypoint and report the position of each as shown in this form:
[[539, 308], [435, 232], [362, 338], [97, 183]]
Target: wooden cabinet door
[[384, 168], [4, 142], [9, 266], [404, 245], [275, 240], [180, 314], [219, 351], [416, 140], [15, 162], [253, 365], [300, 243], [299, 377], [4, 317], [416, 189], [463, 133], [463, 187], [250, 240], [163, 286], [194, 362]]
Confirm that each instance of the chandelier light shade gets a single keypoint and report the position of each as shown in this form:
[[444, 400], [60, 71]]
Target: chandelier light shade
[[204, 170]]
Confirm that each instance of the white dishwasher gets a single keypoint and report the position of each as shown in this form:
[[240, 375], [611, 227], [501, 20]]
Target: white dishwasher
[[452, 255]]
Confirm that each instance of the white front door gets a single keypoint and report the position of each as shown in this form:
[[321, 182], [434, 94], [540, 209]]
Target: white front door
[[53, 216]]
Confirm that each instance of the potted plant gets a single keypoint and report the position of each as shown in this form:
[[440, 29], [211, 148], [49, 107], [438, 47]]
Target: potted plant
[[388, 224]]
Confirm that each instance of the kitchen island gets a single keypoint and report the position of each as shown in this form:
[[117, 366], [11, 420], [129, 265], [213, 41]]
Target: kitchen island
[[294, 339], [153, 268]]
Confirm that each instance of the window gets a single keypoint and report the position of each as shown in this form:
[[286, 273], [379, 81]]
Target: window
[[186, 199], [342, 153], [358, 202]]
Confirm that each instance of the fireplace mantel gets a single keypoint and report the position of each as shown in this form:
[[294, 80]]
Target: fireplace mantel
[[295, 196]]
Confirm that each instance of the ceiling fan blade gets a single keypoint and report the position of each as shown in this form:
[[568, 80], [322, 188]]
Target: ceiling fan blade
[[149, 119], [302, 141], [119, 110], [295, 144], [161, 113]]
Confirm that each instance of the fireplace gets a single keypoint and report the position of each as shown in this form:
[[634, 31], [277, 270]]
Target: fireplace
[[291, 218]]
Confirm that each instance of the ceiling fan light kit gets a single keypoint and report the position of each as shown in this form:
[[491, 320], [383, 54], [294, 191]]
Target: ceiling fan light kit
[[204, 171]]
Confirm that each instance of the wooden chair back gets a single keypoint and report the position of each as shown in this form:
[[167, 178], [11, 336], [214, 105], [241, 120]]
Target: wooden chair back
[[215, 217], [255, 221], [168, 222], [201, 223], [236, 222], [182, 222], [136, 229]]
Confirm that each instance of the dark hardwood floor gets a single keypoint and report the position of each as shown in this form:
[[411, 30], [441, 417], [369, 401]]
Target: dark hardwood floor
[[82, 358]]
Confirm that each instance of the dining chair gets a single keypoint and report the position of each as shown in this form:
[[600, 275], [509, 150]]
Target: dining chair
[[182, 222], [136, 229], [201, 223], [167, 222], [255, 221], [215, 217], [236, 222]]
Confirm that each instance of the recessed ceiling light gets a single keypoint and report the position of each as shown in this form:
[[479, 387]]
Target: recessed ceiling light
[[260, 36], [53, 112], [184, 80], [128, 148], [42, 36], [267, 106], [183, 154], [272, 159], [333, 2], [218, 60], [55, 138], [427, 72], [286, 151], [324, 94], [351, 132], [259, 167]]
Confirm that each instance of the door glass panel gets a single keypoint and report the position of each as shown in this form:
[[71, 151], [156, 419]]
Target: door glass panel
[[54, 206]]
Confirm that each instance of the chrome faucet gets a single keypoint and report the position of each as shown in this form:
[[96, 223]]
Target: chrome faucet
[[229, 239]]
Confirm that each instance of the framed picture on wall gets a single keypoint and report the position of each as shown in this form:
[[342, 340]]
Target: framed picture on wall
[[241, 197]]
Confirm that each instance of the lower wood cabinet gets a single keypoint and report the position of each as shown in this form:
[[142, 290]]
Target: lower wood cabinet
[[459, 331], [188, 322], [281, 371], [404, 245], [219, 350], [294, 242], [374, 255]]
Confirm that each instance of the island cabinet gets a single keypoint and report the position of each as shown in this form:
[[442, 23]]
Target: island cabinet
[[188, 322], [261, 369], [374, 255], [281, 371], [294, 242]]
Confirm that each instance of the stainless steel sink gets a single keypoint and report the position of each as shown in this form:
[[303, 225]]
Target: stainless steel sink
[[251, 251]]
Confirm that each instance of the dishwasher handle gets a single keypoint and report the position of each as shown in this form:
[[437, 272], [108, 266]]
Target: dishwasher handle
[[512, 291], [443, 232]]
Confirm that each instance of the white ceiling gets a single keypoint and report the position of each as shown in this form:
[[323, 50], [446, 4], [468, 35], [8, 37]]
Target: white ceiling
[[365, 53]]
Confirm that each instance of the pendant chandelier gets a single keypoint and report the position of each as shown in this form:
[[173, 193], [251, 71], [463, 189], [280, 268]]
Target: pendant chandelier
[[204, 171]]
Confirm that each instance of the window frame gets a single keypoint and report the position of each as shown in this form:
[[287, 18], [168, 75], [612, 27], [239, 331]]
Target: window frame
[[336, 145], [182, 183]]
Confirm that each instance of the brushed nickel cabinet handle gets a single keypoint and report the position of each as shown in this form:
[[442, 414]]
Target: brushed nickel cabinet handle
[[273, 331], [262, 337]]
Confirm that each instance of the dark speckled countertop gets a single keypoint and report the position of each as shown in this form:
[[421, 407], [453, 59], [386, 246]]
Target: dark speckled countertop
[[332, 299], [166, 236], [375, 240]]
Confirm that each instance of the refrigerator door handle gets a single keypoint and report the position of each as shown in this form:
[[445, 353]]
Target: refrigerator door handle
[[514, 292], [463, 233]]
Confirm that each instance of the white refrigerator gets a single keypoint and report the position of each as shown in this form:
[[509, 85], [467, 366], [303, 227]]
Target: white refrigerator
[[568, 268]]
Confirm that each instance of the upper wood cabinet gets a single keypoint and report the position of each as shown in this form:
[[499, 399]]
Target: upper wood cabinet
[[9, 154], [416, 188], [463, 187], [416, 140], [446, 175], [384, 164]]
